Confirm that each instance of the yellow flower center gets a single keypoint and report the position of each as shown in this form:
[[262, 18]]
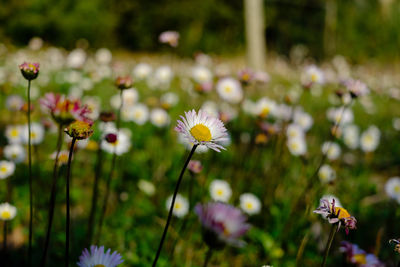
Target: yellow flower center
[[359, 259], [99, 265], [314, 77], [220, 192], [343, 213], [178, 206], [397, 189], [14, 133], [294, 146], [3, 169], [264, 112], [249, 205], [5, 215], [228, 89], [33, 135], [201, 133]]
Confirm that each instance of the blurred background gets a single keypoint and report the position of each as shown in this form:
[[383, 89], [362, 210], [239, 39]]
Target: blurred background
[[357, 29]]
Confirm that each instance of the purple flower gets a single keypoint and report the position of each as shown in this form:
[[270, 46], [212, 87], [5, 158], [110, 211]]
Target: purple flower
[[356, 88], [195, 166], [336, 214], [97, 257], [222, 224], [359, 257], [30, 71]]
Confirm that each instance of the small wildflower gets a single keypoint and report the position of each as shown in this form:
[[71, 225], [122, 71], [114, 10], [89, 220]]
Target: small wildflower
[[120, 145], [7, 168], [15, 153], [250, 204], [142, 71], [336, 215], [7, 212], [96, 257], [220, 190], [202, 129], [195, 166], [359, 257], [147, 187], [222, 224], [181, 206], [230, 90], [369, 139], [169, 37], [246, 76], [396, 242], [79, 130], [30, 71], [159, 117], [297, 146], [392, 188], [326, 174], [124, 82], [331, 150]]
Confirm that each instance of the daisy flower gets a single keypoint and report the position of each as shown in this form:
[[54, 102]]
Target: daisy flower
[[392, 188], [120, 143], [15, 153], [139, 113], [7, 168], [336, 215], [14, 102], [13, 134], [7, 212], [181, 205], [369, 139], [265, 107], [159, 117], [37, 133], [297, 146], [201, 74], [222, 224], [169, 37], [202, 129], [62, 157], [230, 90], [312, 75], [250, 204], [326, 174], [163, 76], [359, 257], [96, 257], [220, 190], [294, 131], [142, 71], [340, 116], [303, 119], [332, 150], [351, 135], [146, 187]]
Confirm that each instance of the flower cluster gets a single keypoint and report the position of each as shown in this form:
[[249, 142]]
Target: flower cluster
[[336, 215]]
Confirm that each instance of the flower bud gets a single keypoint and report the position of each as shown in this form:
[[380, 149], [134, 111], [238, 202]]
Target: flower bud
[[124, 82], [79, 130], [30, 71]]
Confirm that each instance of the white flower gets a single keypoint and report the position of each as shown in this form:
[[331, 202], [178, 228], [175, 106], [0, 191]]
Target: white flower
[[13, 134], [169, 99], [201, 74], [76, 58], [265, 106], [250, 204], [169, 37], [312, 74], [230, 90], [7, 168], [181, 206], [210, 108], [284, 112], [14, 102], [303, 119], [7, 212], [326, 174], [188, 145], [129, 97], [37, 133], [338, 116], [159, 117], [351, 136], [139, 113], [103, 56], [294, 131], [249, 107], [396, 124], [163, 76], [331, 149], [202, 129], [147, 187], [220, 190], [120, 146], [297, 146], [14, 152], [369, 140], [392, 188], [142, 71], [94, 104], [330, 198]]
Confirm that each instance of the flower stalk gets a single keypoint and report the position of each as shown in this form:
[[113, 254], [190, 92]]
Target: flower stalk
[[30, 176], [334, 229], [208, 257]]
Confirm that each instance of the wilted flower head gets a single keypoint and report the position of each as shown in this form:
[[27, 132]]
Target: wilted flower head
[[169, 37], [396, 242], [96, 257], [79, 130], [222, 224], [336, 214], [30, 71], [7, 212], [64, 110], [124, 82], [359, 257], [202, 129]]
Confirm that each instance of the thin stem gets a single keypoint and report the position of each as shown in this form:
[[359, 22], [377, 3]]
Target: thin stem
[[68, 221], [53, 195], [95, 194], [329, 243], [208, 257], [5, 238], [30, 177], [172, 206], [111, 174]]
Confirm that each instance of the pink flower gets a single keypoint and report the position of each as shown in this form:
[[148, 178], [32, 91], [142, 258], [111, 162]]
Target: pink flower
[[169, 37], [30, 71]]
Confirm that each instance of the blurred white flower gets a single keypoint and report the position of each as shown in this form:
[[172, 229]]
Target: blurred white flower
[[76, 58], [303, 119], [120, 146], [146, 187], [181, 206], [201, 74], [159, 117], [312, 75], [351, 136], [37, 133], [340, 116], [250, 204], [13, 134], [230, 90], [163, 77], [265, 106], [294, 131], [396, 124], [370, 138], [220, 190], [326, 174], [169, 100], [103, 56], [331, 150], [14, 102], [169, 37], [142, 71], [392, 188], [297, 146], [129, 97], [7, 212], [14, 152], [7, 168]]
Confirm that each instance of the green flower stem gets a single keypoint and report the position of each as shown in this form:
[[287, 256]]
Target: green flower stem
[[53, 195], [30, 176], [334, 229], [172, 206], [5, 239], [208, 257], [108, 182], [68, 221]]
